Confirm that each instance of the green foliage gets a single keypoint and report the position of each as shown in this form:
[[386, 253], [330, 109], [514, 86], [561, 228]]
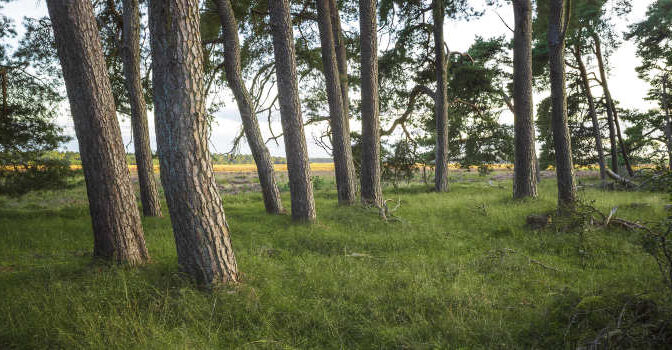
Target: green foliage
[[38, 174], [401, 163]]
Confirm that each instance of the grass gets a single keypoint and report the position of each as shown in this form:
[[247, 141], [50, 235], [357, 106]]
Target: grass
[[458, 271]]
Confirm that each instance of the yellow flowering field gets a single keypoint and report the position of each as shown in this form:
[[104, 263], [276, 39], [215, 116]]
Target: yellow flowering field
[[239, 168]]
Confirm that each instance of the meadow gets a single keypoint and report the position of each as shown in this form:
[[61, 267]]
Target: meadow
[[458, 270]]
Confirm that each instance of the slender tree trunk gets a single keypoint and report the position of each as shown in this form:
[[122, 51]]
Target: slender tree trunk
[[202, 239], [668, 122], [232, 67], [611, 106], [116, 222], [524, 177], [298, 166], [341, 56], [130, 53], [372, 193], [343, 163], [591, 110], [440, 99], [561, 138]]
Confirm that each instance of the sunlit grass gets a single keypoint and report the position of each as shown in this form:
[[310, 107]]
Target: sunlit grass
[[439, 277]]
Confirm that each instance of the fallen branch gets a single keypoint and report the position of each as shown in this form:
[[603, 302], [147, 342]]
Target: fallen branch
[[621, 180]]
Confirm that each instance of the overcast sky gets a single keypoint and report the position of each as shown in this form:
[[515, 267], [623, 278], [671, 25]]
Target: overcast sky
[[626, 87]]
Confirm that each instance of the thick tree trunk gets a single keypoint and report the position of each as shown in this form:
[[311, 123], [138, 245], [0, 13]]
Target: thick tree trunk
[[298, 166], [371, 190], [525, 175], [591, 110], [440, 99], [232, 67], [561, 137], [343, 163], [117, 228], [341, 56], [611, 106], [130, 53], [202, 239]]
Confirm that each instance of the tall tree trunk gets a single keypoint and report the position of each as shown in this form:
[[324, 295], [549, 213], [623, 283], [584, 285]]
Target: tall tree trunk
[[668, 122], [232, 67], [130, 53], [116, 222], [372, 193], [591, 110], [525, 176], [343, 163], [440, 99], [558, 21], [202, 239], [341, 56], [610, 117], [298, 166], [611, 106]]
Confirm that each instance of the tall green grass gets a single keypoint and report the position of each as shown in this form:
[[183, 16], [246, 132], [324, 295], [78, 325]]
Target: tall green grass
[[456, 270]]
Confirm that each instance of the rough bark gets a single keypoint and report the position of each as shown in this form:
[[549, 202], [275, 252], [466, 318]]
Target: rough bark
[[341, 56], [298, 167], [611, 106], [561, 138], [116, 222], [591, 110], [340, 131], [232, 67], [202, 239], [525, 175], [371, 190], [130, 53], [441, 99]]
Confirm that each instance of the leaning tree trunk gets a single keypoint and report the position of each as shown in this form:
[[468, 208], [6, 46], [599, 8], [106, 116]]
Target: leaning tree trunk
[[298, 166], [561, 137], [440, 99], [232, 67], [591, 110], [202, 239], [525, 175], [611, 106], [371, 190], [610, 117], [344, 166], [117, 228], [341, 56], [130, 53]]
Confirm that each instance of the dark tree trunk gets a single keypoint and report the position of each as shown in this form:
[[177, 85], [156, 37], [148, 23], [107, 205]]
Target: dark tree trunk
[[440, 99], [232, 67], [525, 175], [344, 166], [117, 228], [130, 53], [668, 125], [372, 193], [298, 166], [561, 138], [611, 106], [341, 56], [591, 110], [202, 239]]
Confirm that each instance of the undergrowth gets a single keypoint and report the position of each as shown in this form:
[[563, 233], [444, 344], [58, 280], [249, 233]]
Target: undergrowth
[[459, 270]]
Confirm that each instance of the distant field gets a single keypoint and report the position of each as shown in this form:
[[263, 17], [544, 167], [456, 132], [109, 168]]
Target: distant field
[[240, 168]]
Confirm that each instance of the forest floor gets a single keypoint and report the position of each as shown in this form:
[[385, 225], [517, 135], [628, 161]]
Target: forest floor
[[451, 270]]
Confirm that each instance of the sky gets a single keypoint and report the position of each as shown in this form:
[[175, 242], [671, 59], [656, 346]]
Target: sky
[[626, 87]]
